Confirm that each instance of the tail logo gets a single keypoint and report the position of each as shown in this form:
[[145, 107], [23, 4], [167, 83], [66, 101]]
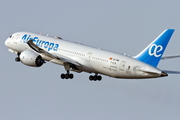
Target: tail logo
[[156, 48]]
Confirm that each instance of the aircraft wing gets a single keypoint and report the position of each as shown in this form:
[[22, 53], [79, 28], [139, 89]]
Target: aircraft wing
[[58, 57], [169, 57]]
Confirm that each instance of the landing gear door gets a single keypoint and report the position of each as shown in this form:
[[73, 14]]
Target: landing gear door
[[122, 65], [89, 54]]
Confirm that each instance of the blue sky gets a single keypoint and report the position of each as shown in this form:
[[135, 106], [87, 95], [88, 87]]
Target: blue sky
[[124, 26]]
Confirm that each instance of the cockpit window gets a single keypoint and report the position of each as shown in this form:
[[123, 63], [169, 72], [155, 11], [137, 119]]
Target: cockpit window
[[10, 36]]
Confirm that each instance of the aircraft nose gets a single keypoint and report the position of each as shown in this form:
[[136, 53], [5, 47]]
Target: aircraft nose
[[6, 43]]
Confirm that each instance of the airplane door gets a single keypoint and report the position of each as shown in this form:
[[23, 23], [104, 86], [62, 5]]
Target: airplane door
[[122, 65], [89, 54]]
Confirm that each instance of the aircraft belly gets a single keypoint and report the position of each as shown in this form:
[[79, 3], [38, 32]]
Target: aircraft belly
[[88, 69]]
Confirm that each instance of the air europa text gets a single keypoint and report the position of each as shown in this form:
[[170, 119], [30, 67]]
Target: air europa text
[[40, 43]]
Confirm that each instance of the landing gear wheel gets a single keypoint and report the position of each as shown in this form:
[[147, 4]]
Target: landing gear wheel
[[68, 67], [67, 76], [71, 76], [99, 78], [17, 59], [62, 76], [91, 77], [95, 78]]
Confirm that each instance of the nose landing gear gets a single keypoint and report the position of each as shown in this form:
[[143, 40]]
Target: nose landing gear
[[17, 59]]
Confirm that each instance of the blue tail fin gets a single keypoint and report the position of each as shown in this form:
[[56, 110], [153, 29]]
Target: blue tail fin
[[154, 51]]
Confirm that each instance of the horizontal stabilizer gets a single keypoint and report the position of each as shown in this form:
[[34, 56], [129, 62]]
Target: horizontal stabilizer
[[171, 72], [169, 57]]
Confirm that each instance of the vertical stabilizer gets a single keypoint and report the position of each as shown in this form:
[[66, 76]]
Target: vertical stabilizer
[[154, 51]]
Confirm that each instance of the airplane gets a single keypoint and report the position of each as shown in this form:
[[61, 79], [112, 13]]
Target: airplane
[[34, 50]]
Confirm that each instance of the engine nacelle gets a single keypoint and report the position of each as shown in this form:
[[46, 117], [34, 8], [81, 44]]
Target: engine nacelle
[[31, 58]]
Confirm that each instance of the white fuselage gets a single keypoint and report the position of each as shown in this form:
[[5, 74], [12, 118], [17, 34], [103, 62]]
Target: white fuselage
[[92, 60]]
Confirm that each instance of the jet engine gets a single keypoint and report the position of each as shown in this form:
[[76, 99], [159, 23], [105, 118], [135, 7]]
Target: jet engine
[[31, 58]]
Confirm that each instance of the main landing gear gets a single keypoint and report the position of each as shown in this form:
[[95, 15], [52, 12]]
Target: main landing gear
[[95, 78], [67, 75]]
